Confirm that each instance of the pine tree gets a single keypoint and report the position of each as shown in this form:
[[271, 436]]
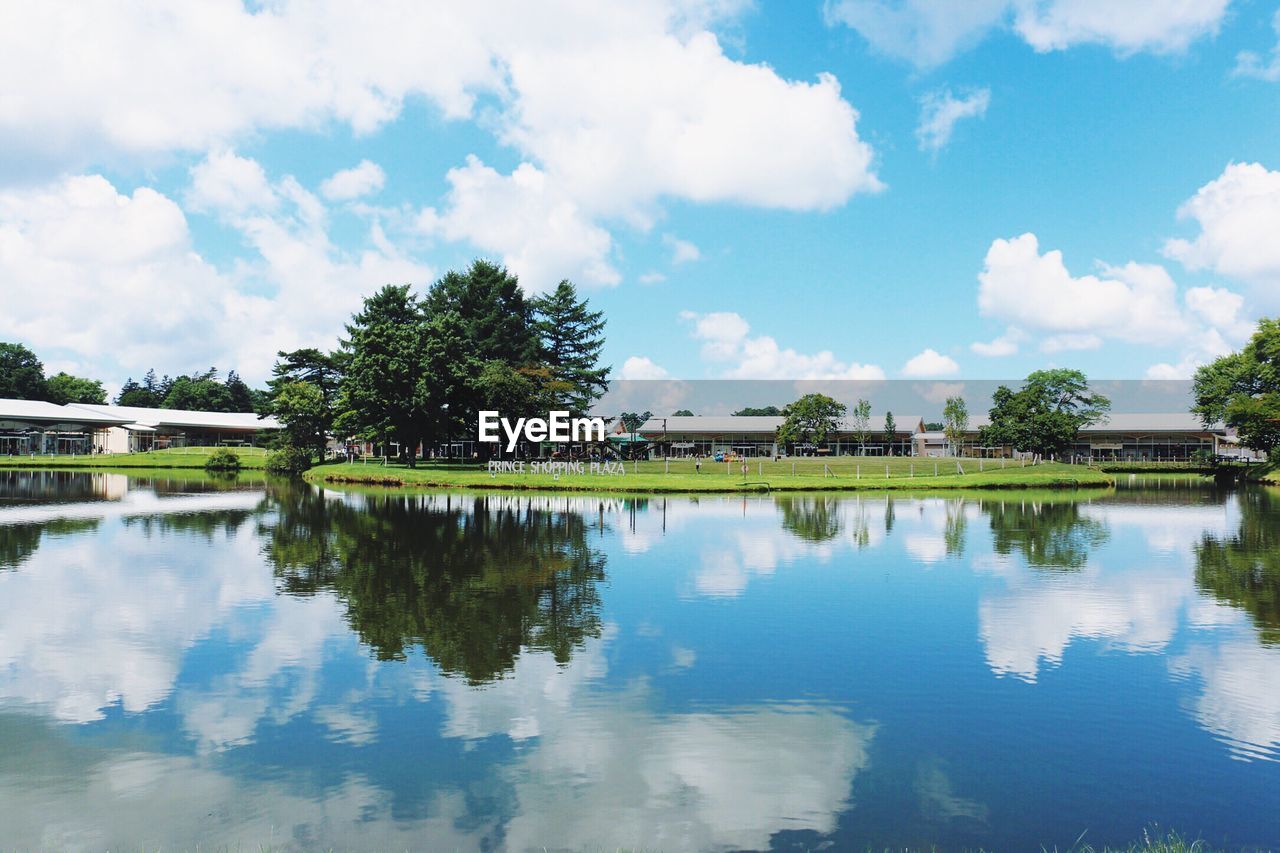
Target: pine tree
[[571, 337]]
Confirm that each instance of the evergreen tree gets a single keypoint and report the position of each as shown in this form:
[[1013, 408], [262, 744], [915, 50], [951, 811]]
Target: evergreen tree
[[381, 391], [496, 320], [571, 337]]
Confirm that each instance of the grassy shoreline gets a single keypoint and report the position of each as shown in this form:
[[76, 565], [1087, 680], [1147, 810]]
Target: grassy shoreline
[[654, 478], [174, 458]]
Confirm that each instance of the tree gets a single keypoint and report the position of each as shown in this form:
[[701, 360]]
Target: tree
[[386, 351], [300, 408], [810, 420], [135, 394], [570, 339], [682, 413], [1243, 390], [760, 412], [200, 392], [890, 431], [496, 322], [314, 369], [955, 420], [631, 422], [861, 423], [21, 373], [1046, 415], [63, 388]]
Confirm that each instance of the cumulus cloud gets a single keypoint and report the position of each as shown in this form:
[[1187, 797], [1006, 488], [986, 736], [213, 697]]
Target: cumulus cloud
[[682, 251], [1251, 64], [940, 111], [1006, 344], [930, 364], [540, 232], [929, 32], [642, 367], [726, 339], [126, 289], [1239, 217], [363, 179]]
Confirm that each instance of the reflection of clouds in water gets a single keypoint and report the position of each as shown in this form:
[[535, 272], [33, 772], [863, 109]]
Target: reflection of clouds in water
[[1238, 698], [620, 776], [938, 799], [1038, 614], [141, 617], [113, 801], [1037, 620]]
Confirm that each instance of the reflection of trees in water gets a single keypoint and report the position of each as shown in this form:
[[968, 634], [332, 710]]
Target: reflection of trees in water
[[472, 586], [205, 522], [1244, 570], [814, 519], [1047, 535], [956, 527], [19, 541]]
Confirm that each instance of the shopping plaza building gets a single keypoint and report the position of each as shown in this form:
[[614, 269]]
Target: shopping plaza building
[[1171, 436], [29, 426]]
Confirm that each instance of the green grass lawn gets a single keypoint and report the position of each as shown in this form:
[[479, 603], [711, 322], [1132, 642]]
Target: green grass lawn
[[177, 457], [844, 474]]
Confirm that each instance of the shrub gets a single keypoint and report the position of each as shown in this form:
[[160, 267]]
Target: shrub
[[222, 459], [288, 460]]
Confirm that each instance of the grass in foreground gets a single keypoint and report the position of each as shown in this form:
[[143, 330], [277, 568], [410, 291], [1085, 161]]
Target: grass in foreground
[[763, 475], [177, 457]]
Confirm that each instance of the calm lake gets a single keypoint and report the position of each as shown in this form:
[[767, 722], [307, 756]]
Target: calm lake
[[248, 663]]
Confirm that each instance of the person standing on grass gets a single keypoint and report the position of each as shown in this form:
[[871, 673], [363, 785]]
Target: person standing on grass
[[697, 464]]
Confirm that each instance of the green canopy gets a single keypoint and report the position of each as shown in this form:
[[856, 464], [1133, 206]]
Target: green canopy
[[628, 439]]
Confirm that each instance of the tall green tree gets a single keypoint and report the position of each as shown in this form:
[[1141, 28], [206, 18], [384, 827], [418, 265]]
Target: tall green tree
[[758, 412], [21, 373], [386, 352], [1243, 389], [496, 321], [861, 423], [810, 420], [300, 408], [955, 422], [318, 370], [890, 431], [1046, 415], [63, 388], [570, 337]]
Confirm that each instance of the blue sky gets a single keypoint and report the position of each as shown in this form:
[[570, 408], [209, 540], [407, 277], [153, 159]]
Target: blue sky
[[747, 190]]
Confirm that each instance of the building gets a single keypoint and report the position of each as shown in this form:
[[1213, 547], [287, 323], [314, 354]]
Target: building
[[1123, 436], [136, 429], [33, 426], [707, 435]]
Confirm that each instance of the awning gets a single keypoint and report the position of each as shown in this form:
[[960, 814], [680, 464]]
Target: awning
[[627, 439], [139, 428]]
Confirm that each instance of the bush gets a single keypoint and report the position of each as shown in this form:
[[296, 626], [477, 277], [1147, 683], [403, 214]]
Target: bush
[[222, 459], [288, 460]]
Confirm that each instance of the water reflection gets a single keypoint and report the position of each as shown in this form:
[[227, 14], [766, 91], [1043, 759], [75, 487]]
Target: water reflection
[[277, 664], [472, 582]]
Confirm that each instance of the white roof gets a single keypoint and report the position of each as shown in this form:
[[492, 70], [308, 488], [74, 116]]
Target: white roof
[[741, 424], [40, 411], [183, 418], [1140, 422]]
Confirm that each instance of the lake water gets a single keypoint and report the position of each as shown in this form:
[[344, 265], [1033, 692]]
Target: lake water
[[237, 664]]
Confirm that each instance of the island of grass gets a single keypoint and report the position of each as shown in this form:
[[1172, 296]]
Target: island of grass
[[173, 458], [677, 476]]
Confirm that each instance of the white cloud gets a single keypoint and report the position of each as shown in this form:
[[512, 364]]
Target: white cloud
[[541, 233], [1006, 344], [1250, 64], [1239, 217], [1135, 302], [1070, 343], [642, 367], [939, 112], [682, 251], [726, 337], [363, 179], [651, 277], [930, 364], [929, 32], [128, 291]]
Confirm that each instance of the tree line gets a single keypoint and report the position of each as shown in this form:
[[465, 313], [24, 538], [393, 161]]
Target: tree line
[[414, 370]]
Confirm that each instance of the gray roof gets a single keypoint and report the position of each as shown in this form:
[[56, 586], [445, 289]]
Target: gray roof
[[182, 418], [38, 411], [735, 424], [1141, 422]]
